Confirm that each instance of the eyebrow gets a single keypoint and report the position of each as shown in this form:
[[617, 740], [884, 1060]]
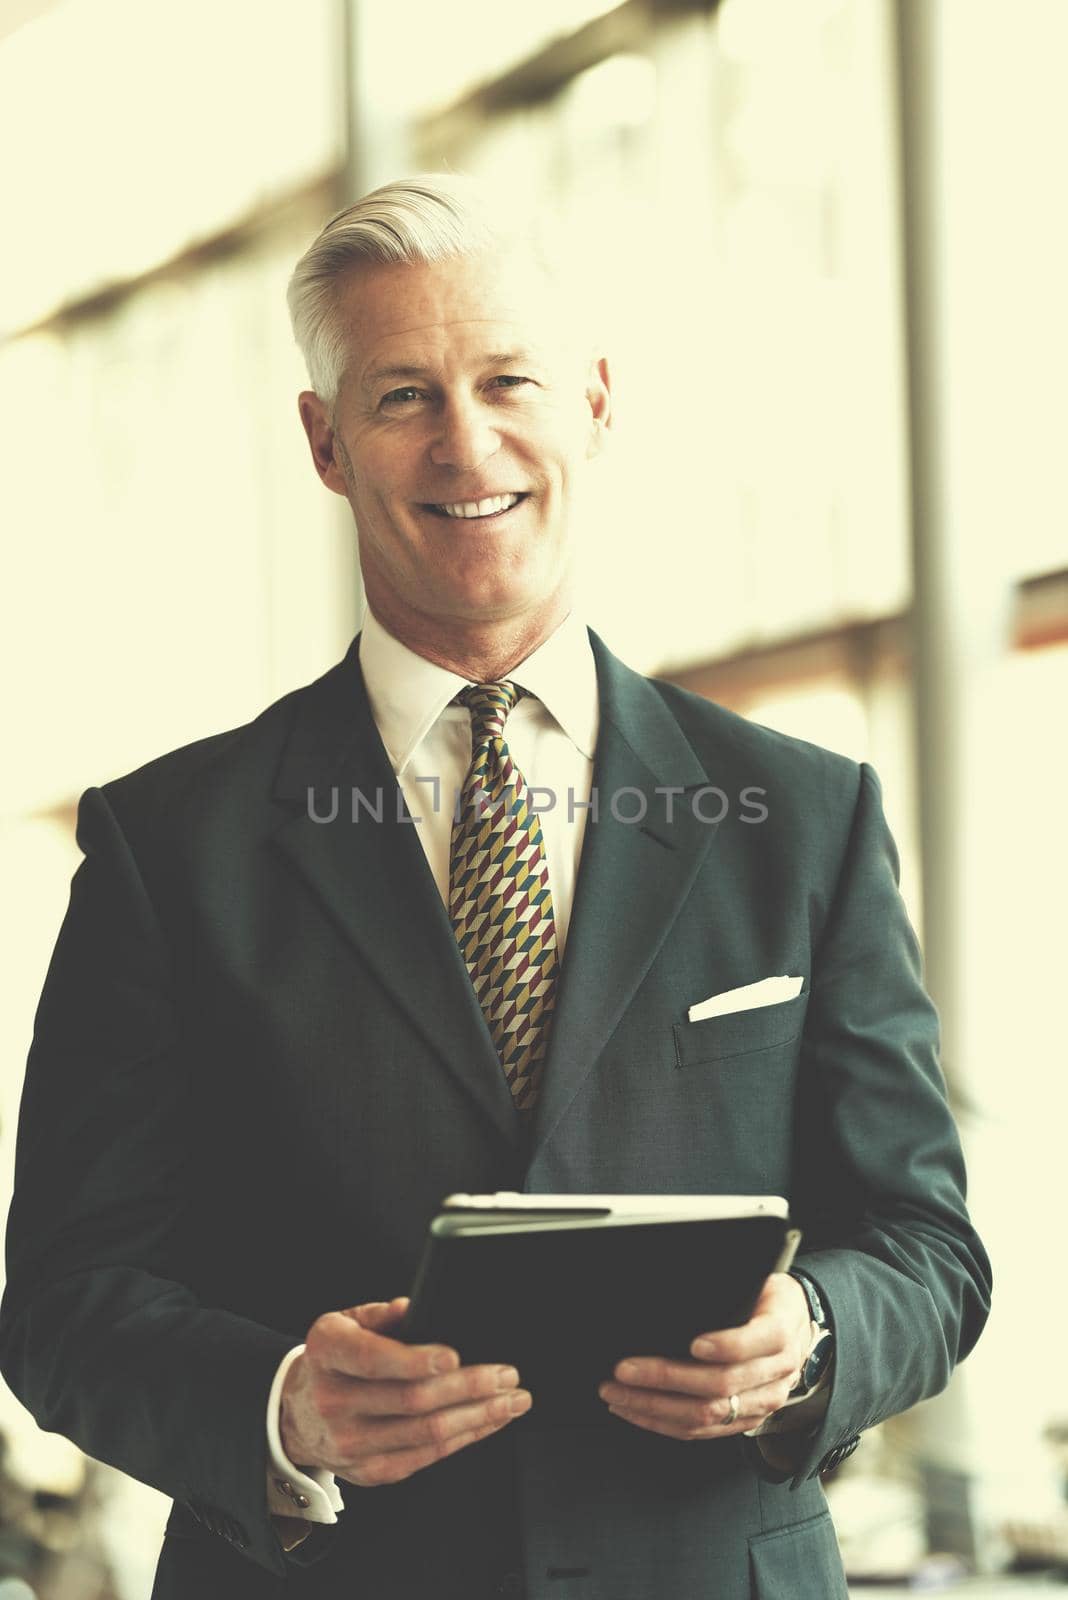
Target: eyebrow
[[378, 375], [496, 358]]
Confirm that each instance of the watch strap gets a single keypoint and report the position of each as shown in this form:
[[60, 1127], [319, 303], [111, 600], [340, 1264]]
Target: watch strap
[[816, 1309]]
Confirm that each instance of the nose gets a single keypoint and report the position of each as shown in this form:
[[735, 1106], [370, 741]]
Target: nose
[[466, 435]]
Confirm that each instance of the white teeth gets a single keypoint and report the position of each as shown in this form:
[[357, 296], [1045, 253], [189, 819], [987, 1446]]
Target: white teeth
[[481, 508]]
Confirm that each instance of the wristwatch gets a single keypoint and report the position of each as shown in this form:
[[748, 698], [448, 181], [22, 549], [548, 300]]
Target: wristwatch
[[822, 1346]]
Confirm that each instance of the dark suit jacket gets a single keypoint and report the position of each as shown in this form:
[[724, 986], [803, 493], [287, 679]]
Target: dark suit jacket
[[258, 1066]]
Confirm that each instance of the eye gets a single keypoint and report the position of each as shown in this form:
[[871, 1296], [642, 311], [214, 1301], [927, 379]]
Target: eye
[[511, 380], [399, 397]]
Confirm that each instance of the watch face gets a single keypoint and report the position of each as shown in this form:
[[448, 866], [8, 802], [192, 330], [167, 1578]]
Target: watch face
[[816, 1364]]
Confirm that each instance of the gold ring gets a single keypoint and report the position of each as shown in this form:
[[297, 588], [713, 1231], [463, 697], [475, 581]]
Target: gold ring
[[732, 1415]]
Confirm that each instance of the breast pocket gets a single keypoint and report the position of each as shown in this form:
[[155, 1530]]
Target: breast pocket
[[740, 1033], [797, 1562]]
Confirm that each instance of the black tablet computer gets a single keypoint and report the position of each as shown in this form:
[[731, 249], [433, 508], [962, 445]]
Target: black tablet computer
[[563, 1286]]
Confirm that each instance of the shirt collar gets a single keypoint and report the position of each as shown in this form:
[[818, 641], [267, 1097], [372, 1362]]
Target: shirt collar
[[408, 693]]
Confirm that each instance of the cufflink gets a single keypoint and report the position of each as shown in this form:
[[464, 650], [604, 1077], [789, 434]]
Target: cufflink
[[291, 1493]]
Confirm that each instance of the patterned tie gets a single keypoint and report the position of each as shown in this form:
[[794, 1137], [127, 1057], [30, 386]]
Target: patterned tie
[[499, 897]]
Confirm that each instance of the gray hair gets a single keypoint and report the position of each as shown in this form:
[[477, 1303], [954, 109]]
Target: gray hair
[[431, 217]]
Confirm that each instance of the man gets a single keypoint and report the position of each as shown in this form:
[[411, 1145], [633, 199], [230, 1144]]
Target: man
[[295, 1003]]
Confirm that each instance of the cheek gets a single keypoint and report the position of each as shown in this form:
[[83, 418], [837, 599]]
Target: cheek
[[381, 465], [385, 540], [378, 499]]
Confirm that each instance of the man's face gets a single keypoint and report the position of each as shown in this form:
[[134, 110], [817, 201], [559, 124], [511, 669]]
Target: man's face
[[461, 387]]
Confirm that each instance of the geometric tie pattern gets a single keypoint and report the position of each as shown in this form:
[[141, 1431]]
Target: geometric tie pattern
[[499, 897]]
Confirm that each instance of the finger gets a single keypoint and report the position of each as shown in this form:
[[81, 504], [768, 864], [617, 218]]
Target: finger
[[395, 1465], [764, 1335], [703, 1378], [390, 1398], [340, 1343], [435, 1428], [746, 1375], [697, 1408], [672, 1430], [682, 1412], [683, 1417]]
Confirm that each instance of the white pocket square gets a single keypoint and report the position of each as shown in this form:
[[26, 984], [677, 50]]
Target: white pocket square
[[768, 992]]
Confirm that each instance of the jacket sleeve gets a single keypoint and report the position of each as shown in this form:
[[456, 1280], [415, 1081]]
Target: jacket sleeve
[[880, 1190], [100, 1337]]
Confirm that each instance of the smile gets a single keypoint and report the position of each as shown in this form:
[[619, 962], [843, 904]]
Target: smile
[[466, 509]]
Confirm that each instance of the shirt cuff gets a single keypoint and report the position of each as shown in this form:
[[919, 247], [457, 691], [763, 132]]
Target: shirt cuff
[[310, 1494]]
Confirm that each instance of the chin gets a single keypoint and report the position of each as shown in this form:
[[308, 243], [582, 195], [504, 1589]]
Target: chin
[[486, 611], [491, 602]]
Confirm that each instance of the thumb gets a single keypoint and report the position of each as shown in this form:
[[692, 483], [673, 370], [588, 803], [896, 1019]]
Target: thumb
[[378, 1314], [769, 1295]]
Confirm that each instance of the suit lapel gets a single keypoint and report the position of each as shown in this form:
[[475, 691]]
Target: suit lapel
[[633, 879], [373, 877]]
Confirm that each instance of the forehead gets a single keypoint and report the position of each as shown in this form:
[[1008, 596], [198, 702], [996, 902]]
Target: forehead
[[431, 311]]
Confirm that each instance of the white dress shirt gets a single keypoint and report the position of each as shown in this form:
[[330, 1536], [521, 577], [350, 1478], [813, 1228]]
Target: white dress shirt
[[552, 735]]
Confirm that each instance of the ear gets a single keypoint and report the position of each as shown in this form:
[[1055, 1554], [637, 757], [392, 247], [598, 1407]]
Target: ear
[[599, 399], [320, 431]]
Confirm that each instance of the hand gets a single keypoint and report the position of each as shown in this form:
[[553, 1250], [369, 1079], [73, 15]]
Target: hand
[[373, 1410], [759, 1363]]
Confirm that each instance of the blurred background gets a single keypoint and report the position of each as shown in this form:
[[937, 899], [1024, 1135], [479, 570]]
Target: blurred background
[[830, 249]]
